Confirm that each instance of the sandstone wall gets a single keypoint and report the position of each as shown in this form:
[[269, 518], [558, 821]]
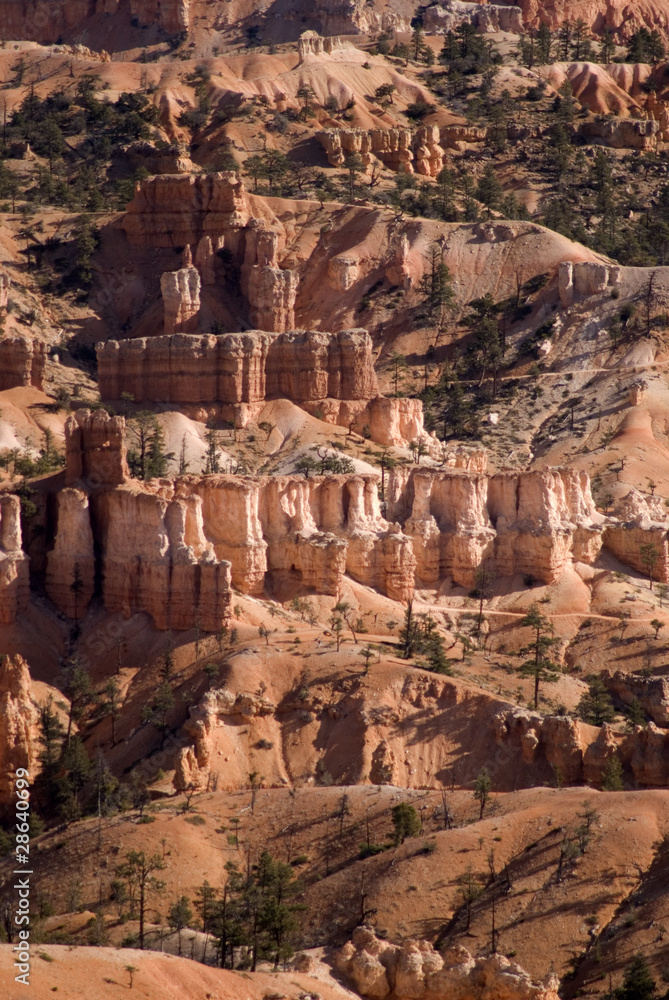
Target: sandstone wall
[[532, 523], [72, 557], [22, 362], [577, 281], [239, 368], [175, 209], [620, 16], [173, 549], [623, 133], [312, 529], [48, 20], [640, 521], [155, 558], [181, 299], [14, 564]]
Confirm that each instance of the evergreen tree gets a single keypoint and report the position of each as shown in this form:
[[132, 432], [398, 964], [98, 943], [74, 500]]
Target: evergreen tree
[[482, 787], [138, 874], [596, 707], [538, 666], [489, 190], [638, 983], [406, 822]]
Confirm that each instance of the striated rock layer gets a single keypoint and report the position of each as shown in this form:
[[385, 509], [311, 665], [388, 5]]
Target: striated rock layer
[[401, 149], [49, 20], [174, 548], [70, 572], [21, 362], [95, 450], [156, 558], [533, 523], [176, 209], [239, 368]]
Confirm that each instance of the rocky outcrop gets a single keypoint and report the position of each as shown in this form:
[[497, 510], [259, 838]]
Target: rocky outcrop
[[240, 368], [447, 15], [579, 280], [646, 752], [651, 692], [95, 454], [274, 529], [532, 523], [176, 210], [173, 160], [398, 272], [18, 726], [174, 548], [14, 574], [641, 522], [312, 46], [559, 740], [22, 361], [400, 149], [181, 300], [70, 574], [270, 290], [415, 971], [577, 752], [215, 708], [155, 558], [623, 133], [173, 16], [620, 16]]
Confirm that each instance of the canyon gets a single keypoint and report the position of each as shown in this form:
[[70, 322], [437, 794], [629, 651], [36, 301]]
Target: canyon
[[409, 645]]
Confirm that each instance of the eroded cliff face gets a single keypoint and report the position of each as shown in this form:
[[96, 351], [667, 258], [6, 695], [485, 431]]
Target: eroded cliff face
[[48, 20], [277, 528], [401, 149], [155, 558], [577, 752], [530, 522], [174, 548], [239, 368], [14, 564], [640, 522], [447, 15], [620, 16], [415, 971], [95, 453], [177, 210], [18, 725], [70, 573], [22, 361]]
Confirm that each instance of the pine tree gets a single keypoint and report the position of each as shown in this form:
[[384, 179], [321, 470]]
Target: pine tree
[[406, 822], [596, 707], [538, 666], [638, 983]]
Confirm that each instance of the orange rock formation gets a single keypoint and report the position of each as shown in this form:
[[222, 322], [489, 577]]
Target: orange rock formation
[[22, 362]]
